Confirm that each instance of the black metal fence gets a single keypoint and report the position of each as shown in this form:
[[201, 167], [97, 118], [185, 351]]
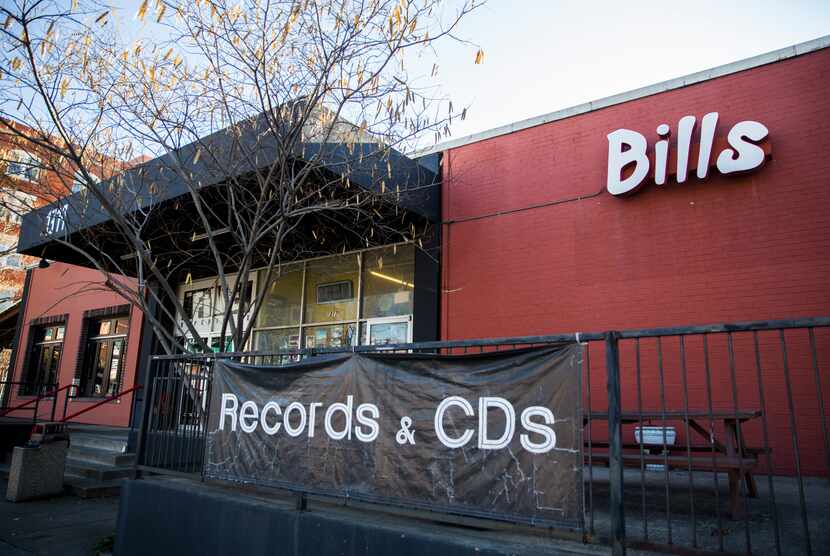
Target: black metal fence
[[697, 439]]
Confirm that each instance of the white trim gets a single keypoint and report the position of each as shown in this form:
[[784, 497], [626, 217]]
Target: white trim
[[110, 337], [399, 319], [662, 87]]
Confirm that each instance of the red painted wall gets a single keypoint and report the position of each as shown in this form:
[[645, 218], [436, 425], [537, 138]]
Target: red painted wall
[[67, 289], [725, 249]]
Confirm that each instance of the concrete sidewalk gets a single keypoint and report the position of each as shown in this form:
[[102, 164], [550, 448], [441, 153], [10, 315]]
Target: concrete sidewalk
[[65, 525]]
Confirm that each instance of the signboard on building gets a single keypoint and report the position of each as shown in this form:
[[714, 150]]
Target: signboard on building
[[631, 161], [493, 434]]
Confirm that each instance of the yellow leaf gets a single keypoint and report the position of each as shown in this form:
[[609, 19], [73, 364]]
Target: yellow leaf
[[479, 56], [142, 10], [160, 14], [168, 54], [189, 279], [16, 63], [64, 86]]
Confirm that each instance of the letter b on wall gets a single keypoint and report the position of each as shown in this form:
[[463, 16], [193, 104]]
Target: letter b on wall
[[626, 147]]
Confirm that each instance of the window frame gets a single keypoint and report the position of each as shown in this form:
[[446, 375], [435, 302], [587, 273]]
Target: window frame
[[90, 348], [335, 283], [34, 357], [360, 321], [27, 161]]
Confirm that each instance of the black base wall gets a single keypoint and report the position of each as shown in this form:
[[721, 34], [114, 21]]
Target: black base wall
[[182, 518]]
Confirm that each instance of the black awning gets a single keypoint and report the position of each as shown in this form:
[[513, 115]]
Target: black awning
[[155, 184]]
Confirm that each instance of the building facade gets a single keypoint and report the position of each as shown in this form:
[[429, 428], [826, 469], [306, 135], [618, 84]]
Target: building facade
[[703, 199], [531, 226], [73, 330], [364, 297]]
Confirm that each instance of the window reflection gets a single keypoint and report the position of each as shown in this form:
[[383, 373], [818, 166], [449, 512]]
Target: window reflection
[[332, 336], [282, 300], [331, 288], [104, 359], [197, 303], [278, 340], [315, 304], [389, 282], [42, 372]]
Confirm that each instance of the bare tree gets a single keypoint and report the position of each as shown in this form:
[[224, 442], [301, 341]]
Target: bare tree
[[276, 123]]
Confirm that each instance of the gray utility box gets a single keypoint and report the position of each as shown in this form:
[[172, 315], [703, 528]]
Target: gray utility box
[[37, 467]]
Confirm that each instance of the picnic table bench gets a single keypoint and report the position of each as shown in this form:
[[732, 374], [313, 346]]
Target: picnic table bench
[[730, 454]]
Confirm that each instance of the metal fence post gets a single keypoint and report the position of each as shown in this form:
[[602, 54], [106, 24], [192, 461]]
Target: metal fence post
[[146, 409], [615, 467]]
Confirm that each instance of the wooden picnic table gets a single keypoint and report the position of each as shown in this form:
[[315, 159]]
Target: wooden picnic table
[[731, 453]]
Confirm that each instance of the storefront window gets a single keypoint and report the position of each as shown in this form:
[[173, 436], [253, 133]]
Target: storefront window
[[278, 340], [104, 358], [197, 303], [282, 300], [336, 301], [386, 332], [42, 372], [331, 289], [332, 336], [388, 282], [219, 299], [215, 344]]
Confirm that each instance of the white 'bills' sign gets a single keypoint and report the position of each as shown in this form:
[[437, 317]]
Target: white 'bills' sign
[[630, 162]]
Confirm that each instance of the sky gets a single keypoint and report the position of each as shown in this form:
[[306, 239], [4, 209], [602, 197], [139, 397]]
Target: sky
[[546, 55]]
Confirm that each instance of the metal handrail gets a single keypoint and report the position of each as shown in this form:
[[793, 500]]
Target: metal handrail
[[102, 402], [50, 394]]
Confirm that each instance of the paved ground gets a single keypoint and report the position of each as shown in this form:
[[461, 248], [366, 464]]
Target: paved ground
[[66, 525], [679, 526]]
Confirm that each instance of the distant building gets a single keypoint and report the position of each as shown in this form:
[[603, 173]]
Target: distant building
[[29, 179]]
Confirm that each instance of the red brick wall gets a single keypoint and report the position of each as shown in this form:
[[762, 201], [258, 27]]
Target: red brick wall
[[67, 289], [725, 249]]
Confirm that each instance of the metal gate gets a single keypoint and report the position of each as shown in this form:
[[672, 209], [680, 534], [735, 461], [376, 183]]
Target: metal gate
[[697, 439]]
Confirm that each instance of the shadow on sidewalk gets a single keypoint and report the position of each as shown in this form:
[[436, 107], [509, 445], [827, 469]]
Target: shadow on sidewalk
[[65, 525]]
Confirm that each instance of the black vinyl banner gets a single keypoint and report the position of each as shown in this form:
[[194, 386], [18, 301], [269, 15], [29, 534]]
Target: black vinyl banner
[[494, 434]]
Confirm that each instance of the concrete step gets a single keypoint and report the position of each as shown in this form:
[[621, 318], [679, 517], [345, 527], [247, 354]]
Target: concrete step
[[96, 455], [81, 485], [97, 471], [85, 487], [106, 442]]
